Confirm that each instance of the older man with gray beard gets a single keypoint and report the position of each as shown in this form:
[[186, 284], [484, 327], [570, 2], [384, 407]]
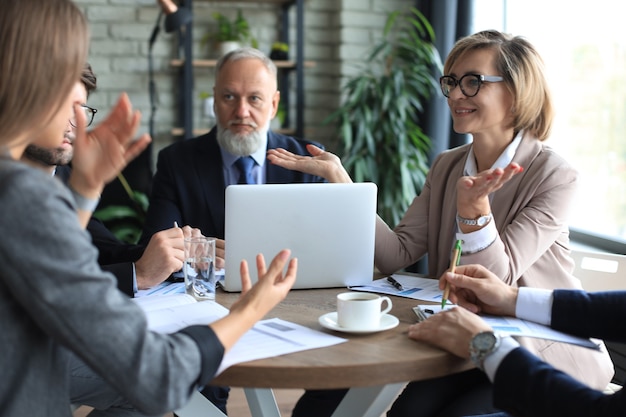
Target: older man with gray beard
[[192, 175]]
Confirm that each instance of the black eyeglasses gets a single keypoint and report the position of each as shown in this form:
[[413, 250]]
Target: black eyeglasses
[[469, 83], [90, 112]]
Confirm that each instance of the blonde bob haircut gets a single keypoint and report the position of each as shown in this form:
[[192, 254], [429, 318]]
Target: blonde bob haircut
[[44, 46], [523, 70]]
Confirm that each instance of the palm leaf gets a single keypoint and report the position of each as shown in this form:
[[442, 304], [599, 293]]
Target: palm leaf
[[378, 121]]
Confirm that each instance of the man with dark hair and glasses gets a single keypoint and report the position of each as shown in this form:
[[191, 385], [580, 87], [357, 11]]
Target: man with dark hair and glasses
[[135, 266], [50, 158], [90, 113]]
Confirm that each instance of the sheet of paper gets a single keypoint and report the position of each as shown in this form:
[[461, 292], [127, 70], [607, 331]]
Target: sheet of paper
[[164, 288], [268, 338], [275, 337], [517, 327], [170, 313], [164, 301], [417, 288]]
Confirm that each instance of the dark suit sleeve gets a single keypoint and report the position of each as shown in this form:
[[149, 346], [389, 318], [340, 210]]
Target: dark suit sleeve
[[114, 255], [596, 314], [124, 274], [110, 249], [163, 210], [526, 386]]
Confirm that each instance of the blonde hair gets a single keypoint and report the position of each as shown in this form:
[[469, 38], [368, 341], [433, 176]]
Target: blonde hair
[[523, 70], [44, 46]]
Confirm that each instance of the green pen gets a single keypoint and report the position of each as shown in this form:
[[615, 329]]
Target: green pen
[[456, 258]]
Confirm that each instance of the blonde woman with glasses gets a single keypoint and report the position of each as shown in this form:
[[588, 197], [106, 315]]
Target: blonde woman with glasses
[[506, 196]]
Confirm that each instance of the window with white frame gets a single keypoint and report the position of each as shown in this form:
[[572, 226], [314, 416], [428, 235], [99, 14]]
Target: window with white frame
[[583, 45]]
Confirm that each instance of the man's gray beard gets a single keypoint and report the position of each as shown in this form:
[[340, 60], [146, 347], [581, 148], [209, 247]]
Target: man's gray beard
[[241, 144]]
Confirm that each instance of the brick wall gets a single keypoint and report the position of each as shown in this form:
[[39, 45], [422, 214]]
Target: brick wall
[[337, 34]]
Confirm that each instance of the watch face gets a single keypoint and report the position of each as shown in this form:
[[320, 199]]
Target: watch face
[[483, 220], [480, 221], [484, 341]]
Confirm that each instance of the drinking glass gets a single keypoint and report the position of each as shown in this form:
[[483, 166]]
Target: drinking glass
[[199, 268]]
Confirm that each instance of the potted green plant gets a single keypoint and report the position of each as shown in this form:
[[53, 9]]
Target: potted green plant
[[378, 120], [229, 34], [280, 51]]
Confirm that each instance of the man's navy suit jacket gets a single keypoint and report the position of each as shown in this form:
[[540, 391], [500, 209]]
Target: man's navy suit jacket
[[526, 386], [188, 186]]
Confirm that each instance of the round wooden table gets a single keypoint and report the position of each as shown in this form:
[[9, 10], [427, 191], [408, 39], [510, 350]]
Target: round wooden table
[[375, 367], [365, 360]]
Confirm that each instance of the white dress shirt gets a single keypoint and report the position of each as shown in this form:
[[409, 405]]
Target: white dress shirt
[[480, 239], [533, 304]]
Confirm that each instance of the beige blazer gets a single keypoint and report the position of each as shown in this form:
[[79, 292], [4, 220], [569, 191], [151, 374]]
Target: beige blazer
[[532, 249]]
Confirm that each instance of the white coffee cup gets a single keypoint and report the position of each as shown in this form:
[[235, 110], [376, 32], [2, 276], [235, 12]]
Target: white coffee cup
[[360, 310]]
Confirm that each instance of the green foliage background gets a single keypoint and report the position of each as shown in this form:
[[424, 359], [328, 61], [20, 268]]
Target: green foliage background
[[378, 120]]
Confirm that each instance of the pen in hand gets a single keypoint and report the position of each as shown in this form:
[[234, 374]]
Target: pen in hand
[[395, 283], [456, 257]]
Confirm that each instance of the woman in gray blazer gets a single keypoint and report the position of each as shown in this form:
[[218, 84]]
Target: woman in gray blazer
[[506, 195], [54, 298]]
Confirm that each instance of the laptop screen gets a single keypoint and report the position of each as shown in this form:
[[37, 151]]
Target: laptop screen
[[330, 228]]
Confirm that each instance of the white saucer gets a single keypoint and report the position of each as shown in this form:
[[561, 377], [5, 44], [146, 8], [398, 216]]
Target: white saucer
[[329, 320]]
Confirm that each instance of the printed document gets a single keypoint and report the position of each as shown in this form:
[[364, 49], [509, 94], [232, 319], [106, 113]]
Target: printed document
[[268, 338], [418, 288], [173, 287], [164, 288], [512, 326]]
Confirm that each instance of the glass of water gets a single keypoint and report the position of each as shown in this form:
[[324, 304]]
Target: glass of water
[[199, 268]]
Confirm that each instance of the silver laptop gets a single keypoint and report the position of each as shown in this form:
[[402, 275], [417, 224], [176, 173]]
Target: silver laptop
[[329, 227]]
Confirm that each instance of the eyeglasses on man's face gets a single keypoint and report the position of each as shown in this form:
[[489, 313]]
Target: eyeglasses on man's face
[[90, 112], [469, 83]]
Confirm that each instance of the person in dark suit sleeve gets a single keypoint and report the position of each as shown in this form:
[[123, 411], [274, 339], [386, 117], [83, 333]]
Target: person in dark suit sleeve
[[524, 385], [191, 176]]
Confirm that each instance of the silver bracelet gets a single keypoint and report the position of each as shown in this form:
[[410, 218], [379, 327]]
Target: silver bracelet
[[83, 203]]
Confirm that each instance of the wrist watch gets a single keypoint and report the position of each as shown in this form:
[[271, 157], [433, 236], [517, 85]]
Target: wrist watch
[[481, 346], [480, 221]]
